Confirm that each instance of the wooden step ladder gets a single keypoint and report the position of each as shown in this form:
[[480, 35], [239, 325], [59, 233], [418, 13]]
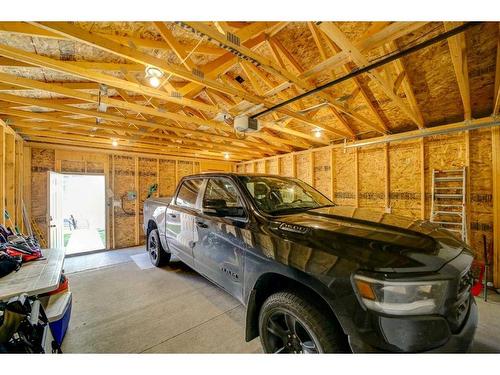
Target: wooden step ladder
[[449, 199]]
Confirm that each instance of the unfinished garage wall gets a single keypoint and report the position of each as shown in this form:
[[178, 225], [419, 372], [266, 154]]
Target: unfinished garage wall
[[123, 173], [11, 176], [397, 177], [405, 178]]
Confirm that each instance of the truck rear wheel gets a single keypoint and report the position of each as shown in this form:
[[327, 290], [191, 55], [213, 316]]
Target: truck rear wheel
[[289, 323], [159, 257]]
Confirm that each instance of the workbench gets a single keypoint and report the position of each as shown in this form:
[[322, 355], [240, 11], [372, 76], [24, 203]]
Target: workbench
[[35, 277]]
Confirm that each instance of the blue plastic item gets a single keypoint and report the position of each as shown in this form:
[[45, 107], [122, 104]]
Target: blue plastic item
[[59, 327]]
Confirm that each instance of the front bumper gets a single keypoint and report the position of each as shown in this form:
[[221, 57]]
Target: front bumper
[[459, 342]]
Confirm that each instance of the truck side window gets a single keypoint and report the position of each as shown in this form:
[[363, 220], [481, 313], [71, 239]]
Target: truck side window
[[222, 189], [188, 192]]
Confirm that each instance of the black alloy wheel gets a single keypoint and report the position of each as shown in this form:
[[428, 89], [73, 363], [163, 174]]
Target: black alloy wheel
[[287, 334]]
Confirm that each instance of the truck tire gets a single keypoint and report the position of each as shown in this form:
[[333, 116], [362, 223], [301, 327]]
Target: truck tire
[[159, 257], [289, 323]]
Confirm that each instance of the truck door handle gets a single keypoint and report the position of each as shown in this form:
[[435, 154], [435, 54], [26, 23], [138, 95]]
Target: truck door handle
[[201, 224], [172, 215]]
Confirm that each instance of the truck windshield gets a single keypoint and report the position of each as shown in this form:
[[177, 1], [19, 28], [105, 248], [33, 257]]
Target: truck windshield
[[280, 195]]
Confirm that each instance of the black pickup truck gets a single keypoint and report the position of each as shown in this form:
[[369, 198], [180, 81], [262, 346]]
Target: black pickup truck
[[316, 277]]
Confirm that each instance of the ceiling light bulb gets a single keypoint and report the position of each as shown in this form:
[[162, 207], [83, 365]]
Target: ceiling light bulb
[[226, 155], [154, 81], [317, 133], [114, 142], [154, 75]]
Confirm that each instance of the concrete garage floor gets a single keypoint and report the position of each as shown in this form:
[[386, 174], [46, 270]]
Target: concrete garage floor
[[120, 307]]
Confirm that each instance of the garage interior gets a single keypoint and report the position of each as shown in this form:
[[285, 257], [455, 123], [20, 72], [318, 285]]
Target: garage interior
[[144, 104]]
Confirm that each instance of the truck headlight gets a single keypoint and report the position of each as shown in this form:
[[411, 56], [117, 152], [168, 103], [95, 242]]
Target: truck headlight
[[401, 297]]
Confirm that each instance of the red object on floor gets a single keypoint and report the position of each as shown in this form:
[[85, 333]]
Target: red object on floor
[[477, 269]]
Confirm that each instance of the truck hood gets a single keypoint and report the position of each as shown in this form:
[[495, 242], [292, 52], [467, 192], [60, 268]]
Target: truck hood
[[378, 242]]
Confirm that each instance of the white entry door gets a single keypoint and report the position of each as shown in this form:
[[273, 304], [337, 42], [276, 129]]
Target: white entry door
[[55, 218]]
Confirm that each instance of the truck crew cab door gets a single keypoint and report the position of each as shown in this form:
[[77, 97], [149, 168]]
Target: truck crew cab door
[[180, 220], [219, 252]]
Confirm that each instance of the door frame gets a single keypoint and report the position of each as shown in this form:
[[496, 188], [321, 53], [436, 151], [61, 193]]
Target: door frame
[[50, 242], [106, 206]]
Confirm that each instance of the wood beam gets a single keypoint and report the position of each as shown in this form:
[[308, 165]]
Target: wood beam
[[345, 67], [307, 120], [64, 67], [70, 134], [36, 140], [458, 51], [406, 84], [496, 97], [158, 139], [178, 49], [253, 57], [495, 156], [338, 37], [223, 63], [110, 117], [92, 39], [62, 90]]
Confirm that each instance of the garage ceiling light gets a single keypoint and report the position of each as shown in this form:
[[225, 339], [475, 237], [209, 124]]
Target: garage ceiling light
[[114, 142], [154, 75], [226, 155]]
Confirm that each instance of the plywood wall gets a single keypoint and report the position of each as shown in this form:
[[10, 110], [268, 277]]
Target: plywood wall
[[405, 178], [397, 177], [11, 177], [124, 173]]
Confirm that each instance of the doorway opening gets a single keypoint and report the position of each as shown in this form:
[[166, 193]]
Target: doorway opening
[[77, 212]]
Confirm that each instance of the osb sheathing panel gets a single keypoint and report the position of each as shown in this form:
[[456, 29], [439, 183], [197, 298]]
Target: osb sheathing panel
[[480, 42], [272, 166], [433, 79], [95, 167], [249, 167], [261, 166], [240, 168], [442, 152], [72, 166], [322, 171], [344, 181], [124, 181], [304, 167], [371, 181], [184, 168], [481, 189], [167, 183], [147, 177], [286, 163], [42, 161], [405, 178]]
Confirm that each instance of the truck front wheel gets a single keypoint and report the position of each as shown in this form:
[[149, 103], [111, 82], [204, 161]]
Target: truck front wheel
[[289, 323], [159, 257]]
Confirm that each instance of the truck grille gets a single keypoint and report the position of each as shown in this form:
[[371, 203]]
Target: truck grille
[[465, 282], [461, 307]]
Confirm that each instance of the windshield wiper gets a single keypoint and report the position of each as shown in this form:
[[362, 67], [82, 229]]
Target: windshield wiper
[[326, 205], [284, 211]]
